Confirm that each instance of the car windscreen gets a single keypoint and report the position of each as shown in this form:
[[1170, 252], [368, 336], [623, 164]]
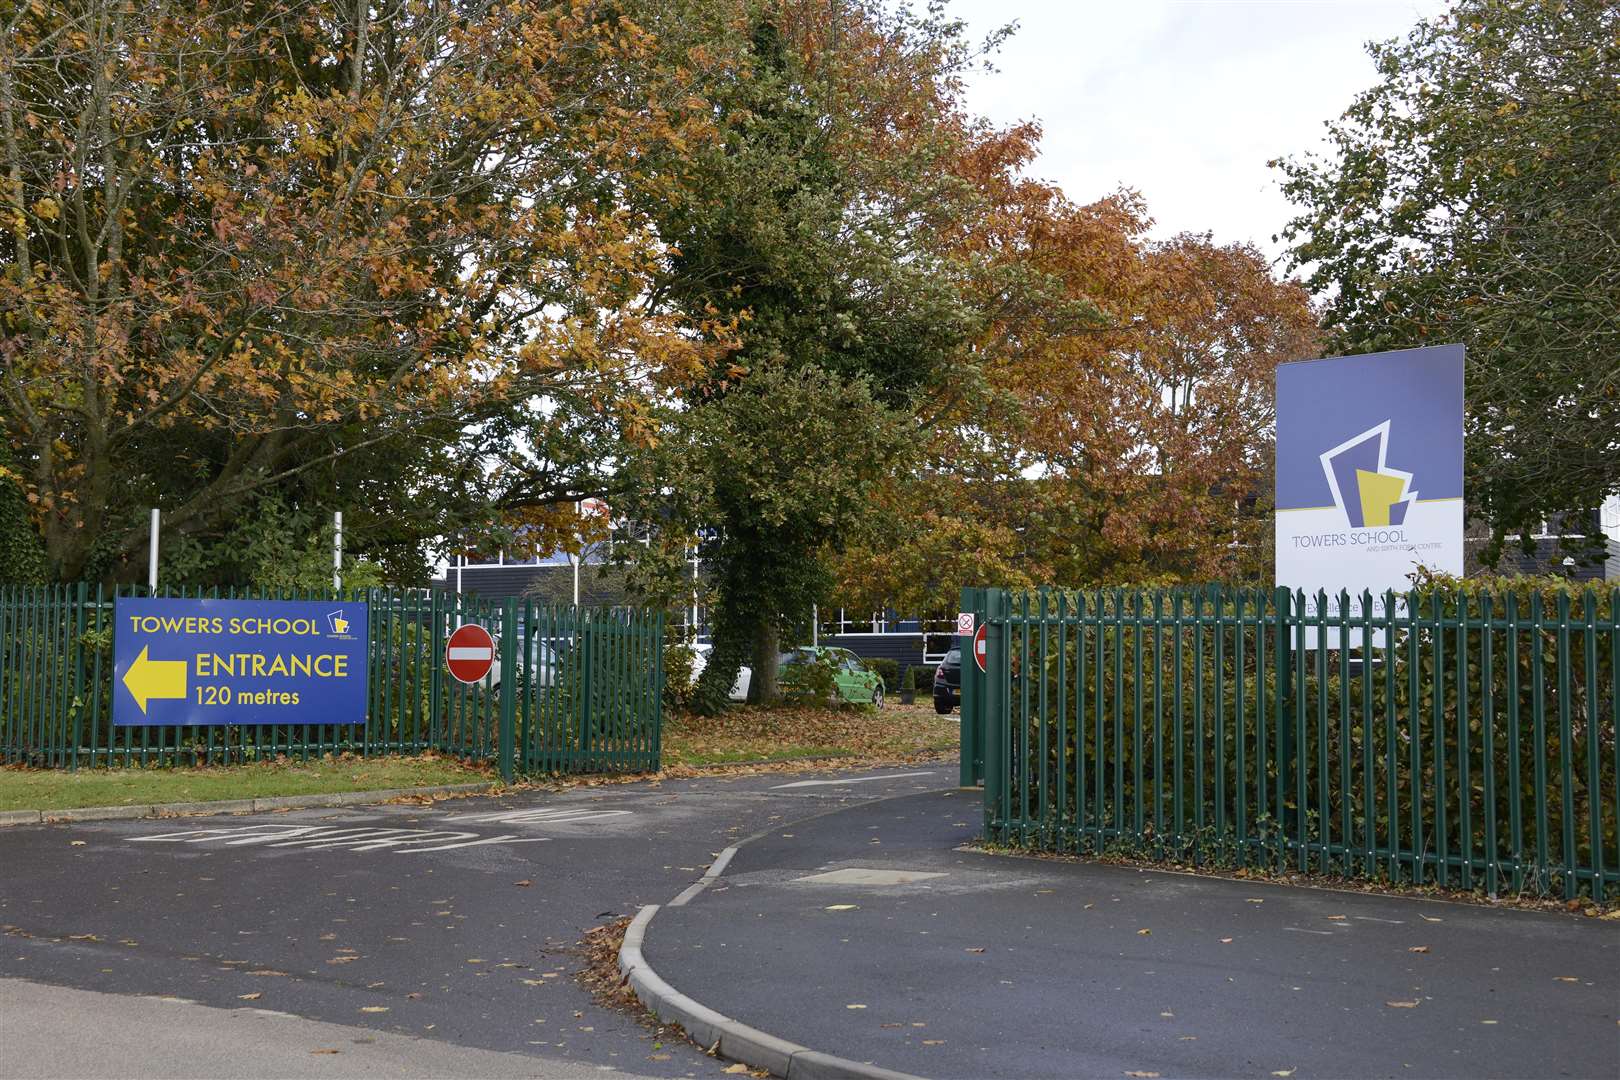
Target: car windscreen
[[953, 658]]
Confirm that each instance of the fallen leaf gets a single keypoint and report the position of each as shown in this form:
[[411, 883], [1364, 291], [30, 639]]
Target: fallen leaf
[[1282, 1072], [737, 1068], [1418, 948], [1336, 916], [854, 1006], [1488, 1021], [76, 843], [324, 1050], [978, 950], [255, 996], [893, 1025], [1402, 1004], [525, 883], [1253, 900], [1565, 978], [658, 1057], [1226, 941], [343, 959], [1168, 1015], [1143, 933], [1188, 1038], [534, 982], [1426, 918], [841, 907], [1141, 1073], [933, 1042], [266, 971], [374, 1008]]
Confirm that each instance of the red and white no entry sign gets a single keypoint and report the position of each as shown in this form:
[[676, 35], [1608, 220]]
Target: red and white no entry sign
[[470, 653], [980, 646]]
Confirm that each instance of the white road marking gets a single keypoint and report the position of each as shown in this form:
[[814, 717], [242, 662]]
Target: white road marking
[[857, 780], [321, 838], [1372, 918], [1302, 930], [855, 875], [543, 816]]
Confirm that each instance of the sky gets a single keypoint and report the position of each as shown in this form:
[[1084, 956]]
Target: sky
[[1183, 100]]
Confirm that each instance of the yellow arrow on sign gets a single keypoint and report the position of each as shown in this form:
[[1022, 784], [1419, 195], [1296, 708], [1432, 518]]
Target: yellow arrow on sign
[[148, 679]]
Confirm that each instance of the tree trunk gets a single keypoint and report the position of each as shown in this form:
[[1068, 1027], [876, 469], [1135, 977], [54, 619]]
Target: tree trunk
[[765, 688]]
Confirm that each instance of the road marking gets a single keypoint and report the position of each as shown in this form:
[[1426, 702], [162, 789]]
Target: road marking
[[324, 837], [546, 816], [1302, 930], [1371, 918], [860, 876], [857, 780]]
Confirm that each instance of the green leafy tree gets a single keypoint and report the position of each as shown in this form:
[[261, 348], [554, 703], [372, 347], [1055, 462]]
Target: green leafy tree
[[813, 238], [1473, 195], [22, 558]]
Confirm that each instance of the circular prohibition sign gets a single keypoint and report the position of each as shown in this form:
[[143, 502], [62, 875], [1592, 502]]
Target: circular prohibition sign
[[469, 653]]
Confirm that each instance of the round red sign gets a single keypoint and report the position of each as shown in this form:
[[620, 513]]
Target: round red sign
[[470, 653], [980, 646]]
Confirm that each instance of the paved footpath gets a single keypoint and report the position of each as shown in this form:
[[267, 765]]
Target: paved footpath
[[866, 933], [446, 933]]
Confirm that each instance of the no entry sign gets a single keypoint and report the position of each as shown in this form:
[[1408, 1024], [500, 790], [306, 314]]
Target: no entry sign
[[470, 653], [979, 645]]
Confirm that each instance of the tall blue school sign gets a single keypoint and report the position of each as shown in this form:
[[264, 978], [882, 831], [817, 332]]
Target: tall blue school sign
[[1369, 471], [239, 662]]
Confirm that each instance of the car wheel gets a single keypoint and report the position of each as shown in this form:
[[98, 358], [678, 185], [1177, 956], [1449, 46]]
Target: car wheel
[[942, 707], [877, 697]]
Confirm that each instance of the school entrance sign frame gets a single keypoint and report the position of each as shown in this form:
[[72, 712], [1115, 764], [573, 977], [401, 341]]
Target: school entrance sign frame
[[1369, 477]]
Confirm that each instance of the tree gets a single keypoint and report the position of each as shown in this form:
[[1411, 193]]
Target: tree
[[250, 243], [1473, 195], [813, 238]]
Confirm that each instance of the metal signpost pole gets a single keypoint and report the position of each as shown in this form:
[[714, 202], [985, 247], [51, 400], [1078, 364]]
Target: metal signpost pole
[[337, 551], [152, 557]]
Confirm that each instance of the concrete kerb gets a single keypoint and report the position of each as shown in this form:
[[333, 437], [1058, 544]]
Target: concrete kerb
[[227, 806], [731, 1038]]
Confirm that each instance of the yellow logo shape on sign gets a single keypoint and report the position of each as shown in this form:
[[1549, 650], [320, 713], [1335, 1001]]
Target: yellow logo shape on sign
[[148, 679], [1378, 494]]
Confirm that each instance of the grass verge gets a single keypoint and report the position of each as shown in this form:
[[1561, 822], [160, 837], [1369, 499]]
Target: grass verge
[[749, 733], [56, 789]]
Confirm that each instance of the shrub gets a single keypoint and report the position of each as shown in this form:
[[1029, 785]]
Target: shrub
[[678, 662], [922, 676], [887, 670], [810, 679]]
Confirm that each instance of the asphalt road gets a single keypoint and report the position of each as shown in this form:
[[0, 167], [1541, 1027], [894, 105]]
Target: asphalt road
[[456, 923], [998, 966]]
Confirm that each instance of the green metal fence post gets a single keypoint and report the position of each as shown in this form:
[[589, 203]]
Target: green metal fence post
[[972, 738], [994, 713], [509, 681], [1282, 720]]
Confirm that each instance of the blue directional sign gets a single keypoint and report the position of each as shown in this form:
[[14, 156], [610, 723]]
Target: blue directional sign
[[239, 662]]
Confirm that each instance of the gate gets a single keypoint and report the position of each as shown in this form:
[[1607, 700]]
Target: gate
[[1464, 740], [579, 690]]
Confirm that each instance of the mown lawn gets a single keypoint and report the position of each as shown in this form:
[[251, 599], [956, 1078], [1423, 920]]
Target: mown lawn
[[52, 789], [753, 733]]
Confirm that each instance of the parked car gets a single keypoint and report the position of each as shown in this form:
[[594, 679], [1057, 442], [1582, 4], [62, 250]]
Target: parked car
[[700, 661], [948, 682], [853, 680], [542, 666]]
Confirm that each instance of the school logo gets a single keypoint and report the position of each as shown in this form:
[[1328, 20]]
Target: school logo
[[1366, 490], [339, 625]]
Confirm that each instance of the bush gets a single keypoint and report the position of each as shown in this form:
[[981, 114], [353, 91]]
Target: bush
[[922, 677], [810, 680], [678, 661], [887, 670]]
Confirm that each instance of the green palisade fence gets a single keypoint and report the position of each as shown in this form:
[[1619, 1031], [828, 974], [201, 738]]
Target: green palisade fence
[[586, 697], [1461, 740]]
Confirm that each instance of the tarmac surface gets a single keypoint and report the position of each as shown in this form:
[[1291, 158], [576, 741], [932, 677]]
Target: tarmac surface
[[442, 940], [866, 933], [456, 923]]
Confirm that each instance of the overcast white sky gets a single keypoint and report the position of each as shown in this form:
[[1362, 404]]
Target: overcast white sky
[[1183, 100]]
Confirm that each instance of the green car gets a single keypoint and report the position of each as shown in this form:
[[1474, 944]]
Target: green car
[[852, 680]]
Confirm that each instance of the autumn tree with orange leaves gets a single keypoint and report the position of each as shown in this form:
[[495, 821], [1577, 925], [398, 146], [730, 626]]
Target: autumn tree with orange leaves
[[379, 253]]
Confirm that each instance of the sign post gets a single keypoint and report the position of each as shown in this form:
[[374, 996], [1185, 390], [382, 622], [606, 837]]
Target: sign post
[[211, 662], [1369, 473]]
